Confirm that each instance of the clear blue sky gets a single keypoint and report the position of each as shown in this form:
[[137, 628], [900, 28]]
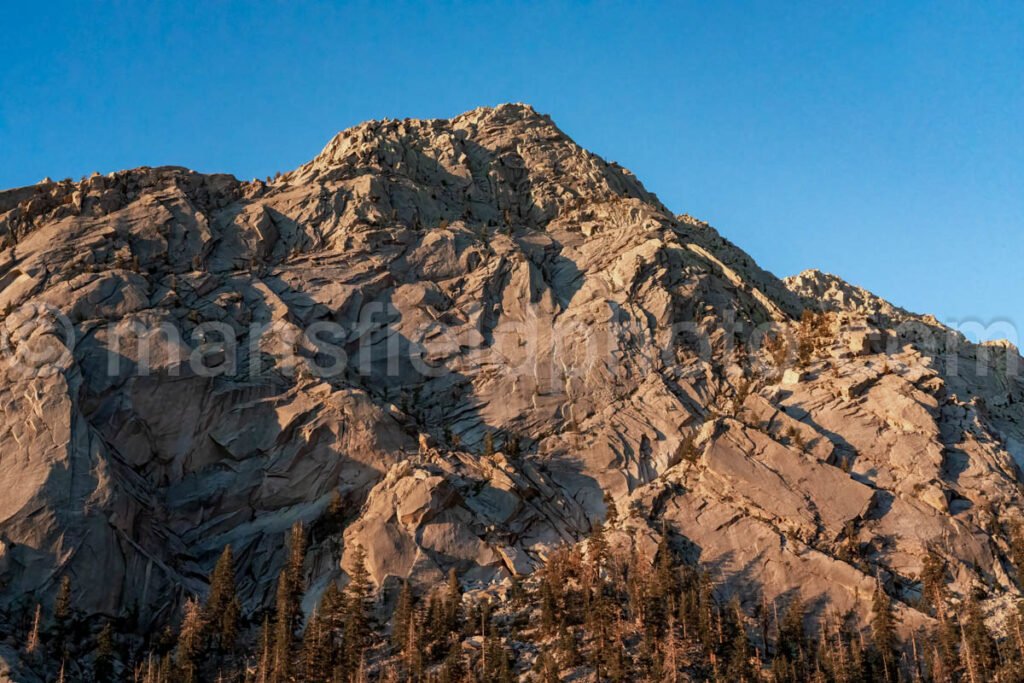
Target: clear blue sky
[[883, 142]]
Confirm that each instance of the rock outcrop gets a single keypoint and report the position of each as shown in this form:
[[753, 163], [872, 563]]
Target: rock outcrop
[[472, 333]]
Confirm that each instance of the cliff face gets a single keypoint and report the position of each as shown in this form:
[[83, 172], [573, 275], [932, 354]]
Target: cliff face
[[452, 342]]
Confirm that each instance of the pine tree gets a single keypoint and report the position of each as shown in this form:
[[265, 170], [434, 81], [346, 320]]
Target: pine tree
[[147, 670], [618, 665], [62, 614], [739, 669], [296, 572], [190, 642], [166, 672], [883, 632], [314, 658], [513, 447], [331, 613], [229, 625], [494, 663], [611, 515], [284, 636], [599, 609], [435, 625], [488, 444], [1017, 550], [454, 667], [704, 605], [103, 662], [413, 648], [1012, 648], [792, 644], [638, 590], [453, 602], [62, 605], [933, 579], [669, 668], [946, 648], [358, 609], [221, 611], [665, 586], [401, 617], [265, 664], [978, 642]]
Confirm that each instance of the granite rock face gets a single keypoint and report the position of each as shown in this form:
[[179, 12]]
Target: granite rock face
[[471, 333]]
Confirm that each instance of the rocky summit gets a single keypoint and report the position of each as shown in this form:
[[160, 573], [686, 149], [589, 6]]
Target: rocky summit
[[464, 347]]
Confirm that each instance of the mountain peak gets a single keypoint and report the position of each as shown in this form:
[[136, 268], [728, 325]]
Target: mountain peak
[[492, 164], [510, 118]]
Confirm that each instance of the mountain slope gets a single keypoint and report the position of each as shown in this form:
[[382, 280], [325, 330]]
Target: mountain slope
[[468, 336]]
